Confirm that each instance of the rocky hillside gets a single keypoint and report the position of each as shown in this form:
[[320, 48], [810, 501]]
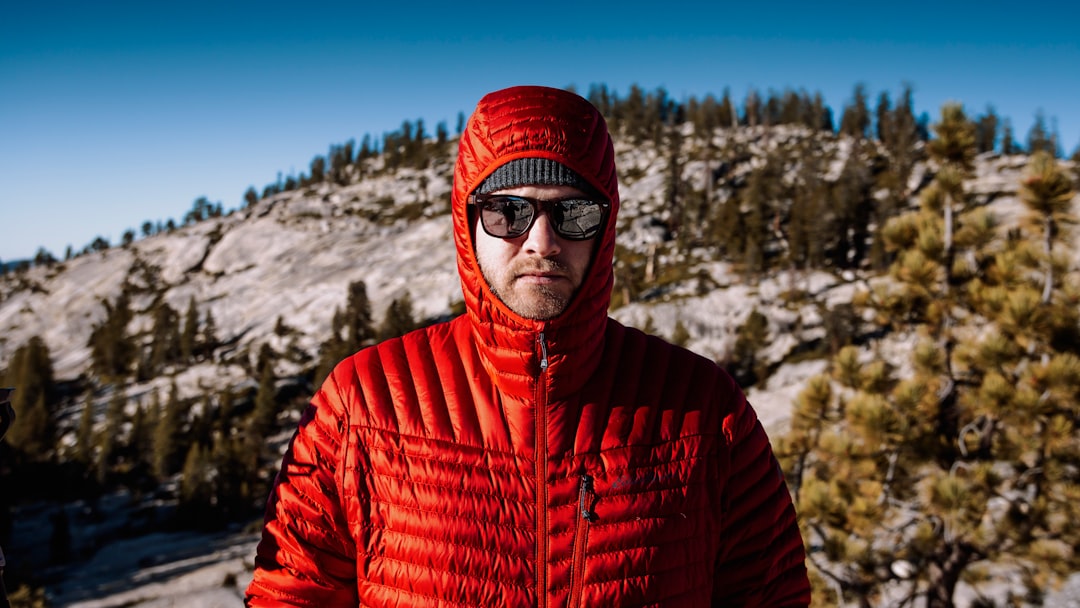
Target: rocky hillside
[[274, 274], [292, 256]]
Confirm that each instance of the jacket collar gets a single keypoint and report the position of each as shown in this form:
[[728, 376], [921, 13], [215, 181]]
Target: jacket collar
[[536, 122]]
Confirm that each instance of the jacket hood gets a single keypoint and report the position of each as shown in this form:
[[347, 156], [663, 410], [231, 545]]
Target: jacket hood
[[536, 122]]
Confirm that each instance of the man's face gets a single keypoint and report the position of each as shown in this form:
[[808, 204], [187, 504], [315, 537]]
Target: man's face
[[537, 273]]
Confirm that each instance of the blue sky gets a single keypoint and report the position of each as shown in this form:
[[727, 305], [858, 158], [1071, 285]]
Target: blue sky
[[113, 113]]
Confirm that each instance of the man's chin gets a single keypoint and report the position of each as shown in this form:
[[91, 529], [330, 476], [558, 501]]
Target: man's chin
[[538, 302]]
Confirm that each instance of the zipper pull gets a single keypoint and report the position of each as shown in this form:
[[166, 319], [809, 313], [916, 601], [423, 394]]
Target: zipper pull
[[585, 491], [543, 352]]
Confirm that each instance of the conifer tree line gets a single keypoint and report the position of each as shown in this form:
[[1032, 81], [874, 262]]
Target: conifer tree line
[[410, 146], [640, 116], [783, 213], [135, 433]]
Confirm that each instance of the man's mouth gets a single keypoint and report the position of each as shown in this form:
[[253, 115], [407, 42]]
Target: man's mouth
[[542, 274], [542, 277]]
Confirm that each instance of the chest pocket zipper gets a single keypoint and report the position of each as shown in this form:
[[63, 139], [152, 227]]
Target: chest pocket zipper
[[586, 499]]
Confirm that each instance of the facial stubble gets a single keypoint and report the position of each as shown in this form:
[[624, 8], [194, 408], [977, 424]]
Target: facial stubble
[[539, 302]]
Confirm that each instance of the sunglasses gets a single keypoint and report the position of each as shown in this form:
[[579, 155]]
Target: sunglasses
[[506, 216]]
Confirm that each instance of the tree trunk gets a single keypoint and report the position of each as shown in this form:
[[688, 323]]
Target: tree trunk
[[949, 254], [1048, 249], [948, 245], [945, 574]]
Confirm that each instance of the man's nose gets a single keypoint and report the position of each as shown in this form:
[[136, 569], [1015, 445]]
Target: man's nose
[[541, 239]]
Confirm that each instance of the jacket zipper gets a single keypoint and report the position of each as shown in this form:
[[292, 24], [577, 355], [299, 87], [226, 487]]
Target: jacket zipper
[[543, 352], [581, 533], [541, 477]]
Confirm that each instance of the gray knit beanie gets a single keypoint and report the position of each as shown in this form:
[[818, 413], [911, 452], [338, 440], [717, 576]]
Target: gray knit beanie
[[533, 171]]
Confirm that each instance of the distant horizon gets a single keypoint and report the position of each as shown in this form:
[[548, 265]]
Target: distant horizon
[[121, 112]]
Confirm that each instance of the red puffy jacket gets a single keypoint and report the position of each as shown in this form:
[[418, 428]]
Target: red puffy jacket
[[501, 461]]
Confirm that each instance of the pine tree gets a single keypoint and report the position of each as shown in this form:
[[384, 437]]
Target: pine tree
[[208, 340], [1039, 138], [99, 244], [266, 359], [30, 371], [84, 436], [673, 185], [1008, 142], [366, 150], [629, 277], [164, 341], [442, 134], [147, 437], [757, 206], [804, 246], [44, 258], [908, 483], [954, 150], [263, 419], [772, 110], [201, 209], [341, 158], [900, 141], [109, 437], [631, 115], [986, 131], [251, 197], [728, 113], [848, 217], [1048, 192], [883, 117], [140, 439], [680, 335], [399, 319], [855, 121], [196, 494], [167, 436], [224, 423], [795, 109], [233, 485], [318, 170], [601, 99], [189, 336], [359, 326], [752, 110], [821, 115], [333, 350], [703, 116], [111, 350], [743, 364], [416, 154]]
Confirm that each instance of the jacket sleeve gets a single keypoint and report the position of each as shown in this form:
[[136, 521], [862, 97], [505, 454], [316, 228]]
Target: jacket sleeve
[[306, 556], [762, 561]]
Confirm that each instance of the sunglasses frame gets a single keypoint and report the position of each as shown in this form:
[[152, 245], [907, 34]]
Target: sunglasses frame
[[539, 205]]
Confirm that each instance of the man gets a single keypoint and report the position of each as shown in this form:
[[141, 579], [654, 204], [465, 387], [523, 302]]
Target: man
[[531, 452]]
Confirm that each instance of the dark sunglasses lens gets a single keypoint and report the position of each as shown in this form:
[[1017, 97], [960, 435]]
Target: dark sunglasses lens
[[511, 216], [577, 219], [506, 216]]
